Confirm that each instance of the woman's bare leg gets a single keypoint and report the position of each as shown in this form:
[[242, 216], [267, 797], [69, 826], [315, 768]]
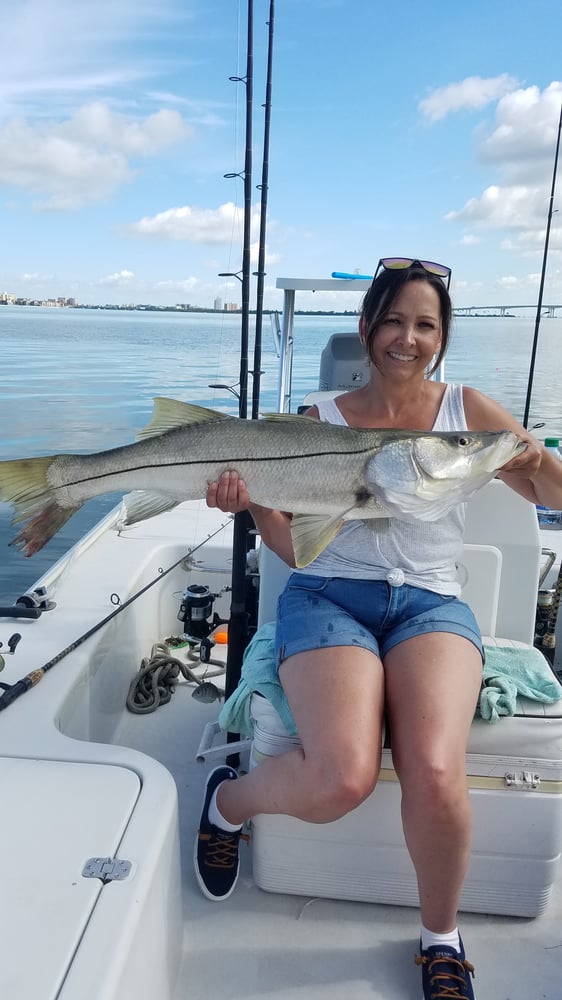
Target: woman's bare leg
[[336, 697], [432, 684]]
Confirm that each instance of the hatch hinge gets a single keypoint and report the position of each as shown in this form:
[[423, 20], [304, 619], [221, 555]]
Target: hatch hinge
[[106, 869], [524, 781]]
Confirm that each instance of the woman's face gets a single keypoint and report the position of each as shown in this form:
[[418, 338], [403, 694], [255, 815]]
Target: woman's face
[[410, 335]]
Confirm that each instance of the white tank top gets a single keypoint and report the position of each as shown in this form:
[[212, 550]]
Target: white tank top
[[423, 554]]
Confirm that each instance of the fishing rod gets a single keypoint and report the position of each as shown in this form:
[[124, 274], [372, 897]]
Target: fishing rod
[[239, 618], [263, 187], [541, 288], [14, 691], [246, 173]]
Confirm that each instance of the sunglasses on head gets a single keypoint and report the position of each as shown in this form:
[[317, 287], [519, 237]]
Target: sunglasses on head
[[403, 263]]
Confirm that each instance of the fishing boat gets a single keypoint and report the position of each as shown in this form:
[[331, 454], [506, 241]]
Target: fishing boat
[[109, 726], [101, 804]]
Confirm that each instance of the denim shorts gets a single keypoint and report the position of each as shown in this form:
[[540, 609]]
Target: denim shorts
[[314, 612]]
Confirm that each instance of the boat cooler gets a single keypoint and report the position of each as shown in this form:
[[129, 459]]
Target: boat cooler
[[516, 799], [513, 766]]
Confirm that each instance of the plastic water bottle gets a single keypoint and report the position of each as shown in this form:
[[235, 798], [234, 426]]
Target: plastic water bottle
[[553, 445], [550, 518]]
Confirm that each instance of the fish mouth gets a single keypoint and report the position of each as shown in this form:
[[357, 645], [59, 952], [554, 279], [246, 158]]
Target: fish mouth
[[511, 447]]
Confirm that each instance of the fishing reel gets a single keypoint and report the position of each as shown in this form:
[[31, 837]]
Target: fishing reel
[[196, 612]]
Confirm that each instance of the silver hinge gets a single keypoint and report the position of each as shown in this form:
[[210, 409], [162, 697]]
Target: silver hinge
[[106, 869], [523, 780]]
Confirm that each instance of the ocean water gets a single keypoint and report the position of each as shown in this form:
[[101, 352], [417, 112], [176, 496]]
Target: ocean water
[[84, 380]]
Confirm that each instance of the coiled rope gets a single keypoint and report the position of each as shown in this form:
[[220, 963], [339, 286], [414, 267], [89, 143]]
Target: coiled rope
[[157, 678]]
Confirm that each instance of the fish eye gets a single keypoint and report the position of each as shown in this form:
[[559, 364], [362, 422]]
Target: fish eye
[[463, 441]]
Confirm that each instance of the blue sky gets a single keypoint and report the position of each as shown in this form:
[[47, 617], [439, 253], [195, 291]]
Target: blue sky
[[396, 128]]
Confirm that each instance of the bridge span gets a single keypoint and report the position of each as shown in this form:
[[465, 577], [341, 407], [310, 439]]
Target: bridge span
[[547, 310]]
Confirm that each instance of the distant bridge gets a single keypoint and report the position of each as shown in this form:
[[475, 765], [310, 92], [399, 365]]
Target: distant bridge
[[502, 310]]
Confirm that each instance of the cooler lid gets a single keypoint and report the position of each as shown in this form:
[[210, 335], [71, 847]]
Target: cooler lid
[[55, 816]]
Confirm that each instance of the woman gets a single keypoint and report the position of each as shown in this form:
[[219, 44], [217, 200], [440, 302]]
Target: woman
[[388, 600]]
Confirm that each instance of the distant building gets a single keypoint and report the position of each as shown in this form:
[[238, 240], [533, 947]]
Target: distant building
[[7, 298], [217, 305], [231, 307]]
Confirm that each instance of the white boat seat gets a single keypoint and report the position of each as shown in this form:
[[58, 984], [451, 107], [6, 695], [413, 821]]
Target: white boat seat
[[343, 363], [513, 768], [497, 516], [316, 396]]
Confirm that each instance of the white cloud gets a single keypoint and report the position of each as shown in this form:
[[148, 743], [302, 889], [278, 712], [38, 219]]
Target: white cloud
[[181, 285], [194, 225], [86, 158], [66, 49], [119, 278], [95, 124], [270, 258], [469, 240], [470, 94], [36, 277], [498, 208], [523, 139], [520, 146]]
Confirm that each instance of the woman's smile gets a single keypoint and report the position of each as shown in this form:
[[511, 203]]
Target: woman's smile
[[402, 357]]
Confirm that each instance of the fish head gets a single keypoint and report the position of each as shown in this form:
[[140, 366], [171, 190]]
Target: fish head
[[424, 476], [463, 455]]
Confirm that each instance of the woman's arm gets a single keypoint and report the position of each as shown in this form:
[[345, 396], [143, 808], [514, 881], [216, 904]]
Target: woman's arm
[[230, 494], [535, 474]]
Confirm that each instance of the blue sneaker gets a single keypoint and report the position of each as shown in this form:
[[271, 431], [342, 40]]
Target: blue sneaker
[[216, 851], [445, 973]]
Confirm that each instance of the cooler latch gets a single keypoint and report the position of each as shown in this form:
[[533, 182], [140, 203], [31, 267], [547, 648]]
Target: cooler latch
[[524, 781], [106, 869]]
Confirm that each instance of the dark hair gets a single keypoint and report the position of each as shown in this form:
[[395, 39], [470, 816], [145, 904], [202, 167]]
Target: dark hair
[[382, 295]]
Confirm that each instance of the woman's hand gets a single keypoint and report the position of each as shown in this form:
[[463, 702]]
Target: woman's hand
[[229, 494], [535, 474], [527, 464]]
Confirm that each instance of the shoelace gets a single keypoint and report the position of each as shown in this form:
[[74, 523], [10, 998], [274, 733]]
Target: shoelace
[[452, 992], [222, 852]]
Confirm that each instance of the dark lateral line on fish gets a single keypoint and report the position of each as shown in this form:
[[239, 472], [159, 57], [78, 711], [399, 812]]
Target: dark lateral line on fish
[[205, 461]]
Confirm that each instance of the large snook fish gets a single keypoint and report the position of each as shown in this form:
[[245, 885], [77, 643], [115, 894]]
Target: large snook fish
[[321, 473]]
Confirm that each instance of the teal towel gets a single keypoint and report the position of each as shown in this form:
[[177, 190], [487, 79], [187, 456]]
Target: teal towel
[[510, 671], [259, 673]]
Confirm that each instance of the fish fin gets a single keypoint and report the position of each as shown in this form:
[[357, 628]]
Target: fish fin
[[311, 533], [171, 413], [24, 483], [431, 505], [139, 505]]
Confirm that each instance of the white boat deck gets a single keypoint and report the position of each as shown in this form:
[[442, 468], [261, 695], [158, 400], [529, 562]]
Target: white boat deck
[[154, 936], [258, 944]]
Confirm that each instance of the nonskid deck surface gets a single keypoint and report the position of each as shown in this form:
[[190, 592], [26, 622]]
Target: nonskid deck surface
[[259, 944]]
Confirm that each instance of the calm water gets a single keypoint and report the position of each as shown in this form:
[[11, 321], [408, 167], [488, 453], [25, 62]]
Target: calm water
[[77, 380]]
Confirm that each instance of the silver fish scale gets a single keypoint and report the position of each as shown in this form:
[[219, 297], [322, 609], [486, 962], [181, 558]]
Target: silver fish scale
[[293, 464], [297, 465]]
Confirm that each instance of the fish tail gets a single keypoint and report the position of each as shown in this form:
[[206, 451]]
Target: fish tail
[[24, 484]]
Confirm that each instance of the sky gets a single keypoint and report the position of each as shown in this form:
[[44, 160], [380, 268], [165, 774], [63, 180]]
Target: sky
[[423, 130]]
